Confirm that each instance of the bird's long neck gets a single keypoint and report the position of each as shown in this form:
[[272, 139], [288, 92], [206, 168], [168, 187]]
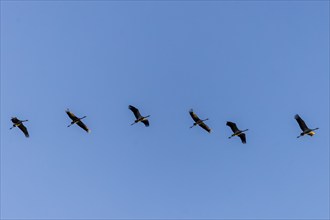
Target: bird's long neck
[[205, 119], [315, 129], [147, 116], [82, 117], [245, 130]]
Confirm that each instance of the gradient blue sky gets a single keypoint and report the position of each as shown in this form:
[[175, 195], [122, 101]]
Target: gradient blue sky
[[256, 63]]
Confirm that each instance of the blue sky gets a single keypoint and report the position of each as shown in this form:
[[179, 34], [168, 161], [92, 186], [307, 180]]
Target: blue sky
[[256, 63]]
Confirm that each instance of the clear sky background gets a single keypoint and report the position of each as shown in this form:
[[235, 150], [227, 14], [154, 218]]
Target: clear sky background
[[256, 63]]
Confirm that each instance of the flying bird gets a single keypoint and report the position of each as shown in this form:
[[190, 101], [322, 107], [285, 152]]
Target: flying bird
[[198, 121], [76, 120], [138, 116], [19, 123], [304, 128], [237, 132]]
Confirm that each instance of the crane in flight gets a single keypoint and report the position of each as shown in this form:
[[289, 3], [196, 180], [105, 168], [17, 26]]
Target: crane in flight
[[76, 120], [304, 128], [237, 132], [19, 123], [198, 121], [138, 116]]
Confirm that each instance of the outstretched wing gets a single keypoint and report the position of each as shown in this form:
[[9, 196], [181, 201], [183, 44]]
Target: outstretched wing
[[194, 116], [71, 115], [243, 138], [233, 126], [24, 130], [145, 122], [135, 111], [83, 126], [301, 123], [15, 120], [205, 127]]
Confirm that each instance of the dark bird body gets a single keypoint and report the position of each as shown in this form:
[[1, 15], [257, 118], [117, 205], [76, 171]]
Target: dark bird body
[[303, 127], [19, 123], [237, 132], [76, 120], [138, 116], [198, 121]]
